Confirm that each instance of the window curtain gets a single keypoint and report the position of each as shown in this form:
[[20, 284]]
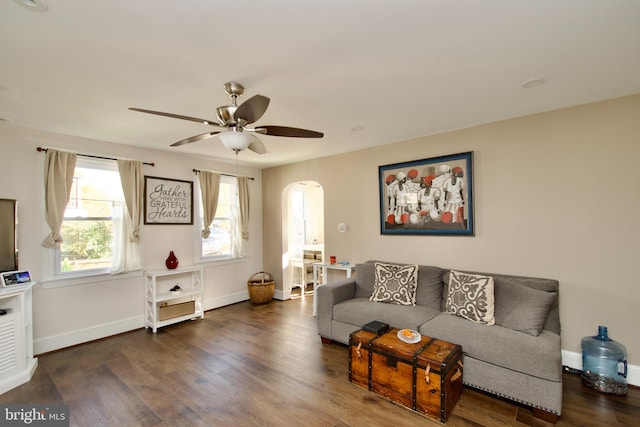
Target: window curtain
[[127, 219], [132, 180], [209, 190], [240, 218], [59, 167], [126, 252], [243, 203]]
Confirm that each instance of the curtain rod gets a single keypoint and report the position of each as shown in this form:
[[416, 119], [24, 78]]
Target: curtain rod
[[196, 171], [93, 157]]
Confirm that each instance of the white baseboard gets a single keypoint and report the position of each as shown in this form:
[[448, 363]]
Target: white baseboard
[[211, 303], [20, 378], [282, 295], [574, 360], [79, 336]]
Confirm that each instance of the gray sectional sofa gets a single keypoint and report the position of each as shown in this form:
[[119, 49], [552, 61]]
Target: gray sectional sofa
[[518, 358]]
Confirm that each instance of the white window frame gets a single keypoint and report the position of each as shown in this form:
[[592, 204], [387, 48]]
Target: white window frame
[[304, 219], [52, 258], [200, 258]]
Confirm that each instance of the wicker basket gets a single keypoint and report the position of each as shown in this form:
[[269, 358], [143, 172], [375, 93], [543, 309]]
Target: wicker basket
[[261, 287]]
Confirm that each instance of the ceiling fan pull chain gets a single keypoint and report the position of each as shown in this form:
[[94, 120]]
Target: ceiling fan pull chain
[[237, 190]]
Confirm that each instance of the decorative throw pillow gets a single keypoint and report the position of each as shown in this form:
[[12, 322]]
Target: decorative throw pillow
[[471, 296], [522, 308], [395, 283]]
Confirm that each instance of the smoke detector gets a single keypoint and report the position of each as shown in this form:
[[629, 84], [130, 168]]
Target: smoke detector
[[33, 5]]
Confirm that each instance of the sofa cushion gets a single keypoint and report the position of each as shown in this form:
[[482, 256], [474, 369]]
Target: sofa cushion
[[538, 356], [395, 284], [365, 276], [470, 296], [552, 322], [360, 311], [522, 308], [429, 286], [429, 290]]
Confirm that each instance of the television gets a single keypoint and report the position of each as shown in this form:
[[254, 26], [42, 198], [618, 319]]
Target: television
[[8, 235]]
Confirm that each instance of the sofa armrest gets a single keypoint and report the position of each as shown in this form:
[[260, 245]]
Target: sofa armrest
[[329, 295]]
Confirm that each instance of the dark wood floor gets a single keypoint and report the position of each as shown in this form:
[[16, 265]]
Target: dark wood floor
[[258, 365]]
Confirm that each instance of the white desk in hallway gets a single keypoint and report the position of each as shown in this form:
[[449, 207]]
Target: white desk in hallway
[[324, 266]]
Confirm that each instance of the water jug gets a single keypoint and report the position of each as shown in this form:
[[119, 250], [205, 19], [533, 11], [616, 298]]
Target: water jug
[[604, 363]]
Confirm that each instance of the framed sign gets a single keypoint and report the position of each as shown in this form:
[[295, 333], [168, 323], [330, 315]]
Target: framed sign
[[167, 201], [428, 197]]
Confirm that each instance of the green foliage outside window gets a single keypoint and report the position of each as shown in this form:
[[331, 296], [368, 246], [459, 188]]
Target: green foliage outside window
[[87, 229], [87, 245]]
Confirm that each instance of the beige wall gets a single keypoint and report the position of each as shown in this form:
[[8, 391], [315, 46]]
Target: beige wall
[[556, 195], [106, 305]]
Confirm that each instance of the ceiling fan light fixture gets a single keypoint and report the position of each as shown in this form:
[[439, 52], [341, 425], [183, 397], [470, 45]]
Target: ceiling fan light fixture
[[235, 119], [235, 140]]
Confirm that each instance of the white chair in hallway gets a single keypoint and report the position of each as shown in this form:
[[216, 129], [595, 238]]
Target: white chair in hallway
[[301, 261]]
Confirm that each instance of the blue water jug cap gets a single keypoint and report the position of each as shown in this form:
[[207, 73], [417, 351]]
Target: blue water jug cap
[[603, 334]]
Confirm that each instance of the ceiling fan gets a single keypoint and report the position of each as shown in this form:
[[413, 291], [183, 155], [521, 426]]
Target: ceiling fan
[[236, 118]]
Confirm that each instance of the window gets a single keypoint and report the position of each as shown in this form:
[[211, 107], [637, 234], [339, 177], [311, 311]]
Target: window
[[224, 229], [96, 200], [298, 232]]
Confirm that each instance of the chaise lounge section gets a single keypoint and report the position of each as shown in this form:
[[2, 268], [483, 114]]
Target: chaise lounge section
[[518, 357]]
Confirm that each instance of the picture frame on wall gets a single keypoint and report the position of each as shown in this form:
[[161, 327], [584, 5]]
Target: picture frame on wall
[[167, 201], [431, 196]]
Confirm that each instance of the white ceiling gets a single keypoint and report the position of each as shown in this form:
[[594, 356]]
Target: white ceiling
[[396, 69]]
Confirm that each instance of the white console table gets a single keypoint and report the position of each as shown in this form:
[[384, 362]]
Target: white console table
[[157, 285], [17, 363], [324, 266]]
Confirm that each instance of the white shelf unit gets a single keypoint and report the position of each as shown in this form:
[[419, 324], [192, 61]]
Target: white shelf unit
[[156, 292], [302, 265], [17, 363]]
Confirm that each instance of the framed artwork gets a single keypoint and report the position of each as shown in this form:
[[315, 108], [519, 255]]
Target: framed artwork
[[167, 201], [428, 197]]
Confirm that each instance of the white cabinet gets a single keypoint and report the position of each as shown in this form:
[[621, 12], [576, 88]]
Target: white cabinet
[[163, 307], [17, 363], [301, 261]]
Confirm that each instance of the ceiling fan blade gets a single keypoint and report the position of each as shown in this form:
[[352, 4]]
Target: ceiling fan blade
[[287, 131], [257, 146], [194, 139], [176, 116], [252, 109]]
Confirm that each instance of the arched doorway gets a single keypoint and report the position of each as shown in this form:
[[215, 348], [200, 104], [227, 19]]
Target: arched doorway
[[302, 236]]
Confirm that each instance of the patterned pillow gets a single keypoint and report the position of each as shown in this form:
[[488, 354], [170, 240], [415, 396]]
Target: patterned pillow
[[471, 296], [395, 283]]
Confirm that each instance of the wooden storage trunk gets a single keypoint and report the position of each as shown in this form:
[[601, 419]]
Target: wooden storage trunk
[[425, 376], [359, 357]]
